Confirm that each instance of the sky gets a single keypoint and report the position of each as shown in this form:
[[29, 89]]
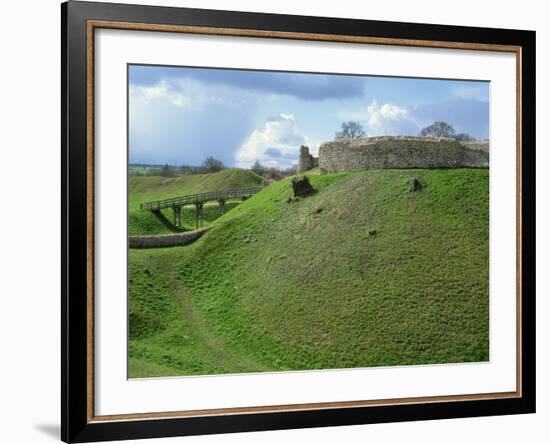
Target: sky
[[181, 115]]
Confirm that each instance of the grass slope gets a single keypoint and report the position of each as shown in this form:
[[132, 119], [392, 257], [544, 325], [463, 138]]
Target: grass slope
[[148, 188], [363, 273]]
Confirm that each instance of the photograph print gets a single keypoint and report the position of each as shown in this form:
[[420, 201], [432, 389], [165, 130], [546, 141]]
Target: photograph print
[[291, 221]]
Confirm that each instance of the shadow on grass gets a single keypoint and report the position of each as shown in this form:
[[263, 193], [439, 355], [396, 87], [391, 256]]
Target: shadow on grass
[[166, 222]]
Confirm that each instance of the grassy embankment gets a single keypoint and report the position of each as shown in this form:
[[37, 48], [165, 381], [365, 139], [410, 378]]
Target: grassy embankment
[[363, 273]]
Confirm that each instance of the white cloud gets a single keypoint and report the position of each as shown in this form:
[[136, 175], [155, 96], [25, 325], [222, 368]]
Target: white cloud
[[277, 144], [162, 91], [386, 119], [313, 146], [187, 94]]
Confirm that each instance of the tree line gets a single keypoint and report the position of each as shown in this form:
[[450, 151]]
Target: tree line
[[354, 130], [209, 165]]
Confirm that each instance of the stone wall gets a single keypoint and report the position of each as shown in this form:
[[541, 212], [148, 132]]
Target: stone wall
[[402, 152], [164, 240], [306, 161], [478, 145]]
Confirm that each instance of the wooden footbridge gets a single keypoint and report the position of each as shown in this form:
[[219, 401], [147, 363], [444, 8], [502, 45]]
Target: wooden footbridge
[[198, 200]]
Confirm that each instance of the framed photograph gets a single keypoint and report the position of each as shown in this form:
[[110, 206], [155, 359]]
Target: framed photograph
[[275, 221]]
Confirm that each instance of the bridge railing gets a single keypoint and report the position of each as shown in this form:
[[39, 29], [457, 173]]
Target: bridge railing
[[198, 198]]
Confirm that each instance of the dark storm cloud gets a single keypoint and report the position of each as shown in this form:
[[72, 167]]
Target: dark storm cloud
[[303, 86]]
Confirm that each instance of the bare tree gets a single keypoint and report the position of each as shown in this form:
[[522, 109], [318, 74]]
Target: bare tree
[[258, 168], [438, 129], [350, 130], [464, 137], [291, 170]]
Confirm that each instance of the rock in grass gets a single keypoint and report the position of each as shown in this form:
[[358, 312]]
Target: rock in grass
[[301, 186], [414, 185]]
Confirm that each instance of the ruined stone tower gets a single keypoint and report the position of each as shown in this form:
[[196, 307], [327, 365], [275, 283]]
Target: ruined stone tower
[[306, 160]]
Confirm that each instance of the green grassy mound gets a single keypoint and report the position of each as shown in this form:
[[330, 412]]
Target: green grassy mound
[[362, 273], [148, 188]]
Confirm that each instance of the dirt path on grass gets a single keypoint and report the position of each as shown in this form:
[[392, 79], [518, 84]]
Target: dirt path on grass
[[224, 358]]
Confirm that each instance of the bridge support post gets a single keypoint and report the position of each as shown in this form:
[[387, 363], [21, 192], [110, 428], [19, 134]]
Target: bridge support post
[[198, 214], [176, 216], [221, 202]]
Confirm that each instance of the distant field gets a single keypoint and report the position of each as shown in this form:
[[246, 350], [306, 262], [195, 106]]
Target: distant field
[[362, 273], [164, 170], [143, 170], [147, 188]]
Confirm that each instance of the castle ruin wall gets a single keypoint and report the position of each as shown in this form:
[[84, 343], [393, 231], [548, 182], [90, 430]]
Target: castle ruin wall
[[402, 152]]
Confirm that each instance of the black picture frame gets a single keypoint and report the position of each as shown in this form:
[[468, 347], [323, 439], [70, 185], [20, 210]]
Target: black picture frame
[[76, 423]]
